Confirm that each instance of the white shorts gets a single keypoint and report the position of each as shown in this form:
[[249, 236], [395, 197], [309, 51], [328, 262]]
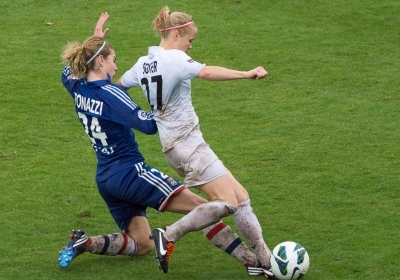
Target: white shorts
[[194, 160]]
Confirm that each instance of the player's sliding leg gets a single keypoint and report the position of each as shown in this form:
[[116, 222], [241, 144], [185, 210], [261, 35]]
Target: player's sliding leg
[[111, 244]]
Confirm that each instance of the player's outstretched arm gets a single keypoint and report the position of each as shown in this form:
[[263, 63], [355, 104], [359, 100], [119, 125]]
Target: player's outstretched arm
[[98, 30], [216, 73]]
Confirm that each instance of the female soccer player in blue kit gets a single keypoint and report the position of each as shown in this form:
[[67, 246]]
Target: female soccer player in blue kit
[[164, 76], [127, 185]]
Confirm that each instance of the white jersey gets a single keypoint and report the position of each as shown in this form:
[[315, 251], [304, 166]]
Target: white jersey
[[164, 76]]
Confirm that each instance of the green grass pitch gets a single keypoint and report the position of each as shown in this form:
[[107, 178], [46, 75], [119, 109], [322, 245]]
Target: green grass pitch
[[316, 143]]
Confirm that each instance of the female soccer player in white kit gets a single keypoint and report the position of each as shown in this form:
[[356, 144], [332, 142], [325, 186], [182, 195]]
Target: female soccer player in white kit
[[164, 76]]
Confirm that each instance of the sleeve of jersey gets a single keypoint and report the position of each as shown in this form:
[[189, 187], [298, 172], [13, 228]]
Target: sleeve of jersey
[[143, 121], [123, 110], [186, 68], [130, 79], [68, 79]]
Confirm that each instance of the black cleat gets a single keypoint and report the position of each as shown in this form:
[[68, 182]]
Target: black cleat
[[164, 248]]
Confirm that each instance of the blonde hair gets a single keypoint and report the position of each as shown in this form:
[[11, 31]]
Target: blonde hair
[[80, 57], [165, 20]]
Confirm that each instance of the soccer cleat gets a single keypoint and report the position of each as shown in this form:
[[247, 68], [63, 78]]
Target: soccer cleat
[[164, 248], [268, 273], [75, 247], [255, 270], [258, 269]]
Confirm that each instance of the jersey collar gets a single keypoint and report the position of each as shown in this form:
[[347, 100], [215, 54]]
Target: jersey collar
[[99, 83]]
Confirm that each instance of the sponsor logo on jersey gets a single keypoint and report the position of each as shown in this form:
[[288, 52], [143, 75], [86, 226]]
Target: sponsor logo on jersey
[[190, 60], [142, 115], [89, 105]]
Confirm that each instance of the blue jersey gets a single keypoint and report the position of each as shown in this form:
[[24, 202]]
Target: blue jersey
[[108, 115]]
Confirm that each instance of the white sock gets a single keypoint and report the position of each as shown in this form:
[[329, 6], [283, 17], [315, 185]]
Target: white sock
[[112, 245], [223, 237], [200, 217], [250, 228]]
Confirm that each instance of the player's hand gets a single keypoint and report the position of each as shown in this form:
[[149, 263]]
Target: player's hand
[[98, 30], [258, 73]]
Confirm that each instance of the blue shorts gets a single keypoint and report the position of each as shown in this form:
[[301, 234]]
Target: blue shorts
[[129, 192]]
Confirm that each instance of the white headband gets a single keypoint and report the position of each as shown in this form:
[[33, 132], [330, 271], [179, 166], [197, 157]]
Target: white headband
[[96, 54]]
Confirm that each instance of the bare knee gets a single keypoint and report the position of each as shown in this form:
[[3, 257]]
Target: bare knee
[[144, 244], [145, 248]]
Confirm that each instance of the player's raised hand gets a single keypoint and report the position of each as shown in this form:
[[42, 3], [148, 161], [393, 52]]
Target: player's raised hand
[[98, 30]]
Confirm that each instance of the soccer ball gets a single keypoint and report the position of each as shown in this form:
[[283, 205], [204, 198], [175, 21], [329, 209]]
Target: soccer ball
[[289, 260]]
